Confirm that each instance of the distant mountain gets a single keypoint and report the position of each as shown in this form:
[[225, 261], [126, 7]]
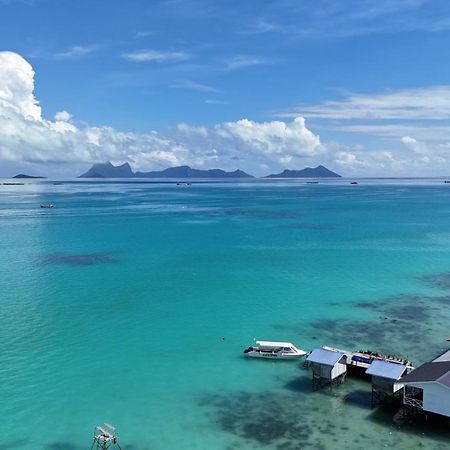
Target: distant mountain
[[107, 170], [188, 172], [22, 175], [308, 172]]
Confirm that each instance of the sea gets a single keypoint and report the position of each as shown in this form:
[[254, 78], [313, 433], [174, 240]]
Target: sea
[[131, 302]]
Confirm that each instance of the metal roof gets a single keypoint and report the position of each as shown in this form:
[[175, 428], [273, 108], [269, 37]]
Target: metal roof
[[444, 357], [445, 380], [326, 357], [385, 369], [430, 371]]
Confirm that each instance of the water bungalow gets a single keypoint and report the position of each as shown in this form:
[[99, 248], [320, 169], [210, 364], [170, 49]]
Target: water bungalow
[[386, 379], [328, 367], [427, 388]]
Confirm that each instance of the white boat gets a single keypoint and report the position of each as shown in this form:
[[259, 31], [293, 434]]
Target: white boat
[[274, 350]]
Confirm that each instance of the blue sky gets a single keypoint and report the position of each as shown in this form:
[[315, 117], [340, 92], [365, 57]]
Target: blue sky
[[370, 78]]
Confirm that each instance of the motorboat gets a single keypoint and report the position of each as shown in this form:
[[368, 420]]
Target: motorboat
[[49, 205], [274, 350]]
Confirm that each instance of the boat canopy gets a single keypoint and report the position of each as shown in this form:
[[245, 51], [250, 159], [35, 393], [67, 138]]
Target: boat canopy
[[275, 344]]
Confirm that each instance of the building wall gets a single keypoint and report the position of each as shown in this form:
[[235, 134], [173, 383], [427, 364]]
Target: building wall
[[321, 371], [338, 369], [436, 398], [385, 385], [398, 386]]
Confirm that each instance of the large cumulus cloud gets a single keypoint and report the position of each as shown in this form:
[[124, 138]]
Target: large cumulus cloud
[[25, 135]]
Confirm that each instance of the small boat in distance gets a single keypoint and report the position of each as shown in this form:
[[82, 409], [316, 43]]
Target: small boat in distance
[[49, 205], [272, 350], [353, 182]]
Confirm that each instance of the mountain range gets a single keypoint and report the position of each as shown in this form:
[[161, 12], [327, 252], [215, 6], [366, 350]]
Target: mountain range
[[108, 170], [308, 172], [22, 175]]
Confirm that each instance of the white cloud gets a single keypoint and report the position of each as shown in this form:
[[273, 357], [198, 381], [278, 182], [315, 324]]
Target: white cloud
[[192, 130], [415, 145], [194, 86], [77, 51], [28, 137], [372, 163], [413, 123], [243, 61], [429, 103], [436, 154], [433, 132], [260, 26], [16, 87], [149, 55], [143, 34], [272, 138], [413, 158], [215, 102], [62, 116]]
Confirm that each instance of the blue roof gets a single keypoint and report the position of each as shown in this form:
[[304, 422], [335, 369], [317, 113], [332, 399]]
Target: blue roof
[[444, 357], [326, 357], [385, 369]]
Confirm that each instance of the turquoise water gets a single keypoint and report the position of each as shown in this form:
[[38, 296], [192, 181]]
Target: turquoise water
[[131, 303]]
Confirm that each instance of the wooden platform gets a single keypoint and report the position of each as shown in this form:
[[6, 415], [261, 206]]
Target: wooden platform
[[363, 359]]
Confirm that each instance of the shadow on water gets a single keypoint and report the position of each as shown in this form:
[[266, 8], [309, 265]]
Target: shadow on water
[[19, 443], [359, 398], [62, 446], [437, 429], [299, 384], [437, 280]]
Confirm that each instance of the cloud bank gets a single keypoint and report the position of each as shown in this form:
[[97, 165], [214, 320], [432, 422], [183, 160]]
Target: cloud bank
[[429, 103], [25, 135]]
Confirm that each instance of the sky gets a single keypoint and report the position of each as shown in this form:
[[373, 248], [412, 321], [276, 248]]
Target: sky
[[361, 86]]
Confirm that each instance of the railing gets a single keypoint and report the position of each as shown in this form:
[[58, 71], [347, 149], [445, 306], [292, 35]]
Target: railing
[[413, 402]]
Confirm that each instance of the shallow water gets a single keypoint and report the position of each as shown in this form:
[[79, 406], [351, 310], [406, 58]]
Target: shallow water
[[131, 303]]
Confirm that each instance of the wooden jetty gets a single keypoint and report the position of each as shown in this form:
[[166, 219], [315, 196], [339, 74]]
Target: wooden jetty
[[364, 358]]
